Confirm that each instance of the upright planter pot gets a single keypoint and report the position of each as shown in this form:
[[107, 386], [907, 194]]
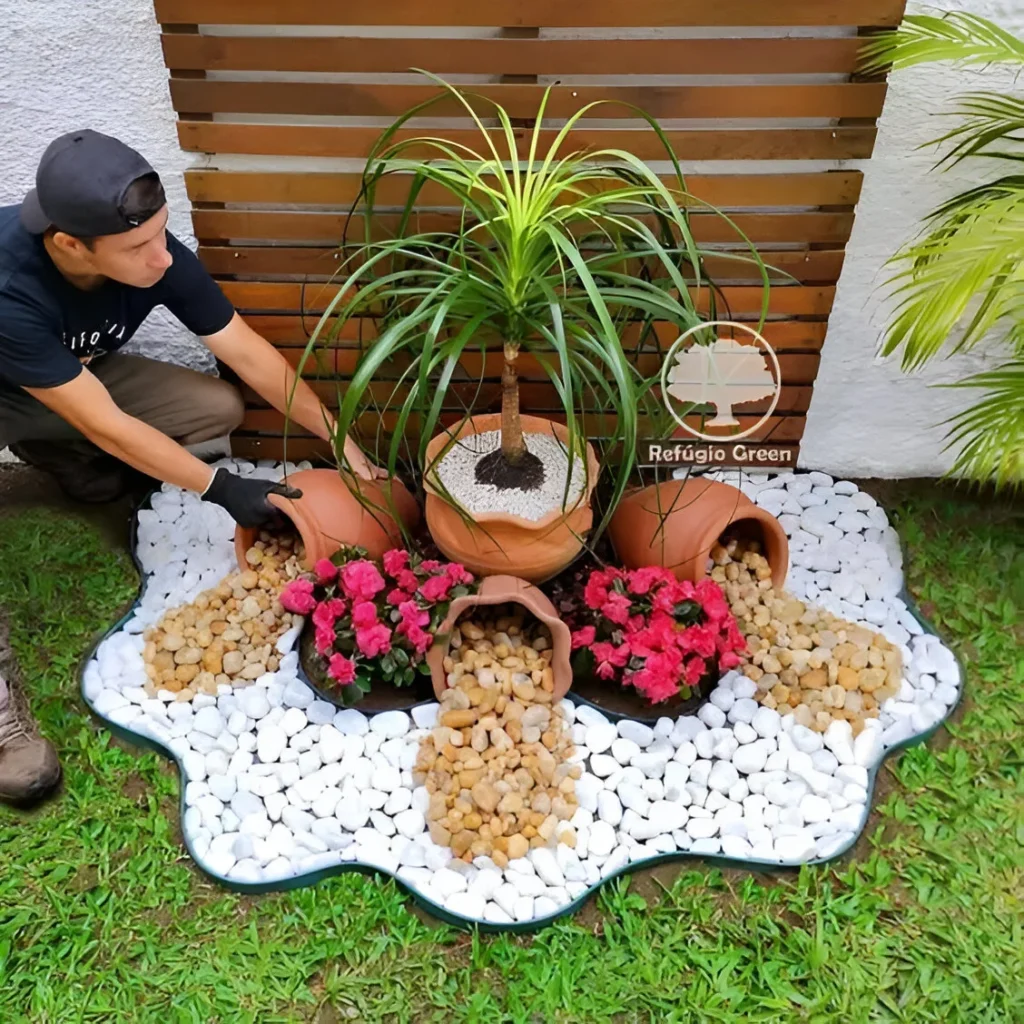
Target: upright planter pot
[[498, 542], [329, 516], [675, 524]]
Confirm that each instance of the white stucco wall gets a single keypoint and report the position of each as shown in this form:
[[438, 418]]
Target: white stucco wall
[[67, 64], [103, 69], [866, 417]]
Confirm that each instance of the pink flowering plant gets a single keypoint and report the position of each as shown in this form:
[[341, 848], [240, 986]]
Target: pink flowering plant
[[372, 620], [646, 629]]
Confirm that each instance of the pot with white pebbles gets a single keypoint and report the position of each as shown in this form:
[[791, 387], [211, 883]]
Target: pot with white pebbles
[[522, 521]]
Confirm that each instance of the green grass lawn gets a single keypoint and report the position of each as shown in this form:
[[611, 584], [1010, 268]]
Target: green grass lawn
[[103, 917]]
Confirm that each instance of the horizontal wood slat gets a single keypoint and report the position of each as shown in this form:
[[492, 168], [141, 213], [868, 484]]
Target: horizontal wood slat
[[793, 398], [727, 191], [211, 225], [513, 56], [293, 332], [552, 13], [484, 368], [840, 143], [269, 260], [800, 300], [270, 421], [275, 260], [862, 99]]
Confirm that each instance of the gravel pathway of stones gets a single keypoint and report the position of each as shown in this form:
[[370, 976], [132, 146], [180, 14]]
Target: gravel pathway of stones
[[281, 785]]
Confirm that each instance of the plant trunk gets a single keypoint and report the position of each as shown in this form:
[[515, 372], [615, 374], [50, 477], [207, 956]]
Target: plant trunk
[[513, 446]]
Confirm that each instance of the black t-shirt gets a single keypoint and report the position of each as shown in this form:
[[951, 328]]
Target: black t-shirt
[[49, 328]]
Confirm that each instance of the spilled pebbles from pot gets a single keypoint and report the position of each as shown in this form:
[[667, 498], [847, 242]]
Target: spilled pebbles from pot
[[457, 472]]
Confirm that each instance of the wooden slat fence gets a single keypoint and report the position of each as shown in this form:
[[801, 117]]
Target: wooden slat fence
[[285, 99]]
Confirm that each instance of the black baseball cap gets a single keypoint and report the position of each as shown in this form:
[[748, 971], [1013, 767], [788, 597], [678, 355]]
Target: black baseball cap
[[80, 186]]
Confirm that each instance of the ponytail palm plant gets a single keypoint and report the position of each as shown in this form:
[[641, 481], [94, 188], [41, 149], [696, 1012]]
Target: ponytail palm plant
[[966, 270], [567, 255]]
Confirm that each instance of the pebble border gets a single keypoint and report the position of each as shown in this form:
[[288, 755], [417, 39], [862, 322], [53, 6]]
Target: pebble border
[[217, 529]]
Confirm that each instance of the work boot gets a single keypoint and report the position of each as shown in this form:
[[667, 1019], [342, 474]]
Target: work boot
[[83, 472], [29, 769]]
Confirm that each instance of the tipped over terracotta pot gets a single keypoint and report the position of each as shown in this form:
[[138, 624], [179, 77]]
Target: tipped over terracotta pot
[[329, 515], [487, 543], [675, 524], [506, 590]]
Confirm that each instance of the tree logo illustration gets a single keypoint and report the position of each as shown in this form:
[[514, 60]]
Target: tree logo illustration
[[720, 374]]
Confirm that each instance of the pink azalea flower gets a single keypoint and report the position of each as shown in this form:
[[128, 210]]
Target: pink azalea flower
[[412, 614], [430, 565], [640, 581], [595, 593], [326, 571], [642, 643], [457, 573], [420, 640], [298, 597], [730, 659], [699, 640], [436, 588], [694, 671], [672, 593], [374, 640], [583, 637], [616, 608], [364, 614], [327, 613], [408, 580], [655, 688], [395, 561], [397, 596], [361, 579], [341, 669], [324, 640], [635, 623], [609, 658]]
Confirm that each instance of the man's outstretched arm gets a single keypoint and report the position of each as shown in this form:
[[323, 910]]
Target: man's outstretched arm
[[268, 373], [87, 406]]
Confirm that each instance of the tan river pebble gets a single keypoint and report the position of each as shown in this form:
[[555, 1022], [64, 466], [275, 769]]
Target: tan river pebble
[[227, 635], [805, 661], [494, 765]]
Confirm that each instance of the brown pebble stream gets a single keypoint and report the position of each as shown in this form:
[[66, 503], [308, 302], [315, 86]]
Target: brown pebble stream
[[495, 764]]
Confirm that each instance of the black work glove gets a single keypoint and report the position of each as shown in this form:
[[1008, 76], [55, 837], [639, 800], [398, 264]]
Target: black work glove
[[245, 498]]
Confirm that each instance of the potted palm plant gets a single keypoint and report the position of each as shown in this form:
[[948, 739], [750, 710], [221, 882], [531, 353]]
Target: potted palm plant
[[564, 258]]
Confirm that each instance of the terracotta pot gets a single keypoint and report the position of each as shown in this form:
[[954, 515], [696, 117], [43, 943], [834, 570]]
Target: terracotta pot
[[644, 531], [329, 515], [506, 590], [497, 542]]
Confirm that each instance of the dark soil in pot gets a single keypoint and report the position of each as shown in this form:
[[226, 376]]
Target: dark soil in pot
[[384, 696]]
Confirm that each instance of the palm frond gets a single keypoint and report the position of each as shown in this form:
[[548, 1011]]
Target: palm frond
[[967, 269], [990, 434], [965, 39], [992, 126]]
